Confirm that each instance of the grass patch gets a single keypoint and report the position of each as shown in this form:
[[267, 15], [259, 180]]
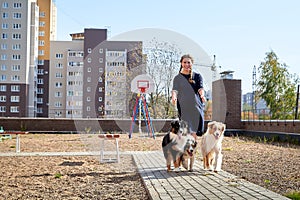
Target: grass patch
[[58, 175], [293, 195], [227, 149]]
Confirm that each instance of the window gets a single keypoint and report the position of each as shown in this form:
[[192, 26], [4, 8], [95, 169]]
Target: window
[[40, 81], [2, 98], [70, 93], [40, 62], [42, 24], [40, 91], [100, 89], [3, 77], [16, 46], [88, 99], [59, 65], [3, 57], [89, 69], [3, 46], [16, 57], [5, 5], [17, 15], [89, 79], [16, 67], [4, 26], [16, 26], [41, 33], [39, 110], [41, 52], [89, 60], [101, 70], [89, 50], [100, 50], [58, 104], [2, 108], [14, 109], [4, 36], [59, 55], [58, 84], [42, 14], [3, 67], [100, 99], [100, 79], [39, 100], [5, 15], [58, 94], [88, 89], [16, 36], [2, 88], [15, 78], [17, 5], [100, 60], [40, 72], [41, 43], [15, 99], [58, 75], [15, 88]]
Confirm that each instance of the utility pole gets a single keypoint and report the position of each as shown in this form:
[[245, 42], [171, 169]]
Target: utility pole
[[254, 89], [297, 102]]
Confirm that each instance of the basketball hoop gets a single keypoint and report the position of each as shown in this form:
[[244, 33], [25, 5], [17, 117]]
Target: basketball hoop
[[143, 86]]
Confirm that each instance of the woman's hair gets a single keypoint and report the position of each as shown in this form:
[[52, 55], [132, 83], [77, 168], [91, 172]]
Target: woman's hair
[[191, 72]]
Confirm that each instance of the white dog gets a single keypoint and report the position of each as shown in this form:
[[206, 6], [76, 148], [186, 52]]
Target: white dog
[[211, 146]]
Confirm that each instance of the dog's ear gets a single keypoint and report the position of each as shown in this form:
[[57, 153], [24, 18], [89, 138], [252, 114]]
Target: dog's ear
[[223, 127], [211, 124]]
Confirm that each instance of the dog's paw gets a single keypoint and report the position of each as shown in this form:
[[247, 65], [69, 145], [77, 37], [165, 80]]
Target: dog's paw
[[177, 169], [191, 170]]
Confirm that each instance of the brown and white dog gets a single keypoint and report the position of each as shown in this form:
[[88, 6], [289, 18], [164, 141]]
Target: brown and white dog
[[211, 146], [179, 147]]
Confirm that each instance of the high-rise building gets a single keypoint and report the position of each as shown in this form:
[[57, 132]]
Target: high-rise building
[[91, 76], [19, 57], [46, 33]]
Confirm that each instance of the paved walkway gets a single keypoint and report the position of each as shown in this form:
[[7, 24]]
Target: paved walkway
[[199, 184]]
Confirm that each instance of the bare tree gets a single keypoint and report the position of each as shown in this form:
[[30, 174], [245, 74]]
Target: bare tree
[[162, 66]]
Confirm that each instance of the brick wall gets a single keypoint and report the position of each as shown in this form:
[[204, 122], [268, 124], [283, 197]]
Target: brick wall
[[226, 102]]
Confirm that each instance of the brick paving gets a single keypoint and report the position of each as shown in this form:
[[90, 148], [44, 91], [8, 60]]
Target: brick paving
[[199, 184]]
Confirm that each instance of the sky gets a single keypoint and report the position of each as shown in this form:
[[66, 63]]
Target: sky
[[239, 33]]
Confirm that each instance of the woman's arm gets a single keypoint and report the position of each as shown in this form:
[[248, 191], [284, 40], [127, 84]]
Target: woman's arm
[[174, 97]]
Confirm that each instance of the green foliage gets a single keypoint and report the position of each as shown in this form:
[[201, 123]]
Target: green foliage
[[276, 86], [293, 195], [58, 175]]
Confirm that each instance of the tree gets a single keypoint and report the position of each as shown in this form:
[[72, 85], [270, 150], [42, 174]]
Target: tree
[[277, 87], [162, 65]]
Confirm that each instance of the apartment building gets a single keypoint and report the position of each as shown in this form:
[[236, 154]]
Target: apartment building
[[47, 32], [19, 55], [41, 77], [91, 76]]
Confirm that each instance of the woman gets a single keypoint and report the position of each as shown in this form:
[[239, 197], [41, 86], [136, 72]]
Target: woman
[[188, 95]]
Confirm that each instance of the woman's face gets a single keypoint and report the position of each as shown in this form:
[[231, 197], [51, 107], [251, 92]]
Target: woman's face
[[186, 64]]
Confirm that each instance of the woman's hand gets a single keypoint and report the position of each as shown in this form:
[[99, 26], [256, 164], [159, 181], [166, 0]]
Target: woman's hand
[[174, 100], [174, 97]]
